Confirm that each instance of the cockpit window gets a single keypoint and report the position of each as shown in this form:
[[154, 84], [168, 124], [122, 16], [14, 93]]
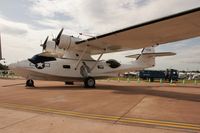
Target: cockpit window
[[38, 58]]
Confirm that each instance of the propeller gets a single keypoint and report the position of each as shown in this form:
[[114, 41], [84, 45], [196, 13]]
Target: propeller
[[57, 39], [44, 45]]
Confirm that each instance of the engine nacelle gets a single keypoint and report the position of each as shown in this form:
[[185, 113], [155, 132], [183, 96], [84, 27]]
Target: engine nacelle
[[52, 50], [67, 42], [50, 46]]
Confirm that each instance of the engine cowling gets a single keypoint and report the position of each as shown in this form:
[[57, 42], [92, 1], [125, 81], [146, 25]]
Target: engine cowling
[[50, 46], [51, 50], [67, 42]]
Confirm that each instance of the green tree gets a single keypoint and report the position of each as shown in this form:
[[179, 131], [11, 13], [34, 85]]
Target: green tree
[[3, 67]]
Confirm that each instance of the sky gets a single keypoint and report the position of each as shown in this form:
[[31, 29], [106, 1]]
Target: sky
[[25, 23]]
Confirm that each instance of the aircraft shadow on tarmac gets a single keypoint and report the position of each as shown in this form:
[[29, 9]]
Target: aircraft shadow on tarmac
[[131, 90]]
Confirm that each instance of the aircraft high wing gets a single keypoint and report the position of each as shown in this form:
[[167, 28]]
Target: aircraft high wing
[[172, 28]]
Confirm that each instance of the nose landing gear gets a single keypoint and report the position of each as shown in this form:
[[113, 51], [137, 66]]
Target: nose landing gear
[[30, 83]]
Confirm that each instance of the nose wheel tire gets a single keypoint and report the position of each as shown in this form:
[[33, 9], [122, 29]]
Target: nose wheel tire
[[30, 83], [89, 82]]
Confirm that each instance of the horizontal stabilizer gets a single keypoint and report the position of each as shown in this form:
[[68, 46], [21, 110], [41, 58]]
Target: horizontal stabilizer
[[152, 54]]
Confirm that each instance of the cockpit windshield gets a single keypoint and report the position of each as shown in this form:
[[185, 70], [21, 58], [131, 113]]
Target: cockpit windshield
[[38, 58]]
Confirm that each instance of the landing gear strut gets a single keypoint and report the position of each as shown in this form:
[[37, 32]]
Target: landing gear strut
[[30, 83], [89, 82]]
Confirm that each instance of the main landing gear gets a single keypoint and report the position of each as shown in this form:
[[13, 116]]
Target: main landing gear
[[30, 83], [89, 82]]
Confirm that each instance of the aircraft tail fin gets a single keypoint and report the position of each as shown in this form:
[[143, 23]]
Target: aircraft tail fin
[[147, 56]]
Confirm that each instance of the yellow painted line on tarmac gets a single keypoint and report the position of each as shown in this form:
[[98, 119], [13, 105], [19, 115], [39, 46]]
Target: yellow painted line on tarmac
[[106, 117], [165, 122], [60, 112], [161, 123]]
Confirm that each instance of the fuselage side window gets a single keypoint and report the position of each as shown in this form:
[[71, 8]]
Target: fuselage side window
[[100, 67], [66, 66]]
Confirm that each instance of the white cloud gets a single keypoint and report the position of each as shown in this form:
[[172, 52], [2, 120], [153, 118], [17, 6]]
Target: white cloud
[[13, 28], [19, 40], [187, 57], [106, 15]]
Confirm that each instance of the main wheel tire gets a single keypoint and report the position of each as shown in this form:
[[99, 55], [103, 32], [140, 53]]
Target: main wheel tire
[[89, 82], [30, 83]]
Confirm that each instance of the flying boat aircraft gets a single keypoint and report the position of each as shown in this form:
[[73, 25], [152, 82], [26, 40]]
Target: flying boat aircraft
[[69, 59]]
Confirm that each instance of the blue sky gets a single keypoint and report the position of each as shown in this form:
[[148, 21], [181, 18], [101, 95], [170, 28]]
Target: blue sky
[[24, 23]]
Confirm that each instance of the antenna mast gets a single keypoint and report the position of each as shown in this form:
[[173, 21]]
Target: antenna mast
[[0, 48]]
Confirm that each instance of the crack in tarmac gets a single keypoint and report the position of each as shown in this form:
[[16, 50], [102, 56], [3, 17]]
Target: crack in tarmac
[[132, 107], [15, 123]]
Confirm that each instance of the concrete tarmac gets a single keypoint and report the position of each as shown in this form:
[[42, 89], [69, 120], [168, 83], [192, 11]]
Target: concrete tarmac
[[112, 106]]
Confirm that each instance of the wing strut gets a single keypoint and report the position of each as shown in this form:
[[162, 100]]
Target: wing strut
[[79, 60], [97, 61]]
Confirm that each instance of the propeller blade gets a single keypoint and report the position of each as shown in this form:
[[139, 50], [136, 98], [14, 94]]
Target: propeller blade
[[57, 39], [44, 45]]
